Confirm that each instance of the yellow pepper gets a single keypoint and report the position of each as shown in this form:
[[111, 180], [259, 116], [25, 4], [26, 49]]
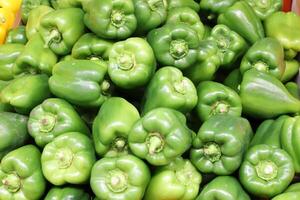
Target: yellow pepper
[[7, 19], [13, 5], [3, 32]]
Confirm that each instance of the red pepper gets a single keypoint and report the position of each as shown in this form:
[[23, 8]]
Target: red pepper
[[287, 5]]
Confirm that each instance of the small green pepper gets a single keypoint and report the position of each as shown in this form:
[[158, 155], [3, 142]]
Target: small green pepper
[[67, 193], [16, 35], [28, 5], [291, 69]]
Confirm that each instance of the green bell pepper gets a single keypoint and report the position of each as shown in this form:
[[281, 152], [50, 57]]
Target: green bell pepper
[[26, 92], [110, 19], [241, 18], [264, 96], [264, 9], [35, 58], [288, 195], [67, 193], [131, 63], [220, 144], [61, 29], [52, 118], [233, 80], [215, 98], [293, 188], [174, 45], [28, 5], [21, 175], [225, 188], [69, 158], [230, 44], [160, 136], [4, 107], [207, 63], [268, 168], [34, 19], [188, 16], [8, 55], [90, 47], [289, 32], [81, 82], [291, 69], [182, 3], [149, 14], [16, 35], [169, 88], [112, 125], [125, 177], [265, 55], [60, 4], [179, 180], [13, 132], [293, 88]]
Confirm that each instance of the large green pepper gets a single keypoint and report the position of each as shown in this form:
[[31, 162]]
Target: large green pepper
[[182, 3], [26, 92], [110, 19], [265, 55], [241, 18], [220, 144], [264, 9], [207, 62], [60, 4], [291, 69], [61, 29], [188, 16], [179, 180], [29, 5], [234, 79], [264, 96], [125, 177], [149, 14], [34, 19], [8, 55], [293, 88], [266, 171], [215, 98], [289, 32], [69, 158], [67, 193], [81, 82], [131, 63], [174, 45], [13, 132], [112, 125], [21, 175], [223, 188], [160, 136], [90, 47], [35, 58], [16, 35], [52, 118], [230, 44], [4, 107], [169, 88]]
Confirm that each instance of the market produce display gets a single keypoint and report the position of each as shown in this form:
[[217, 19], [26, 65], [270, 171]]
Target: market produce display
[[149, 100]]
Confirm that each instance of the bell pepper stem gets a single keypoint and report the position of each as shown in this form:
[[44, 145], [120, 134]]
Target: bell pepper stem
[[12, 182], [212, 151], [47, 123], [116, 180], [155, 143], [65, 158], [54, 37], [266, 170]]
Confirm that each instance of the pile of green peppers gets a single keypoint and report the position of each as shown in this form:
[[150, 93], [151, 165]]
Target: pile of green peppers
[[150, 100]]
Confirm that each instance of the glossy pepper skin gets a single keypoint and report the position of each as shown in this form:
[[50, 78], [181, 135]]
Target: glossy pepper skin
[[174, 45], [110, 19], [288, 35], [61, 29], [34, 19], [264, 9], [13, 5], [22, 175], [233, 80], [179, 180], [81, 82], [182, 3], [212, 8], [225, 188], [149, 14], [160, 136], [288, 195], [29, 5], [230, 44], [35, 58], [26, 92], [14, 132], [69, 158], [91, 47], [52, 118], [241, 18], [60, 4], [215, 98], [265, 55], [125, 177], [169, 88], [8, 55], [131, 63], [258, 89], [293, 88], [67, 193], [291, 69], [268, 168], [112, 125], [220, 144], [16, 35], [4, 107]]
